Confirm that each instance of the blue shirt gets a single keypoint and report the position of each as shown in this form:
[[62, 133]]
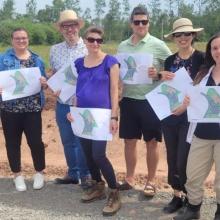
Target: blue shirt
[[9, 61], [93, 84]]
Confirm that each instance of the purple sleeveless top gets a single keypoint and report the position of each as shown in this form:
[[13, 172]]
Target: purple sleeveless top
[[93, 84]]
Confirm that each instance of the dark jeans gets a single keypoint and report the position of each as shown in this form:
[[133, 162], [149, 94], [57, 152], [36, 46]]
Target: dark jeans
[[95, 153], [177, 153], [74, 155], [14, 124]]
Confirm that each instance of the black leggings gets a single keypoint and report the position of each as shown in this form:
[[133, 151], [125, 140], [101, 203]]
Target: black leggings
[[14, 124], [95, 153], [177, 153]]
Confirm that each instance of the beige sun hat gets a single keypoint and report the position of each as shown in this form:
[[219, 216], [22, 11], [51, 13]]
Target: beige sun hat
[[183, 25], [69, 15]]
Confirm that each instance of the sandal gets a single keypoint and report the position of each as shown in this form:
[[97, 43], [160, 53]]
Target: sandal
[[149, 190], [124, 186]]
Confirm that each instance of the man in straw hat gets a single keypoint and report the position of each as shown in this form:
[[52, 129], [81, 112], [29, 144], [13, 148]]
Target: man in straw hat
[[63, 54], [137, 118]]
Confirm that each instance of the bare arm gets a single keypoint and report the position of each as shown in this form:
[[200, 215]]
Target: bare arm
[[114, 93]]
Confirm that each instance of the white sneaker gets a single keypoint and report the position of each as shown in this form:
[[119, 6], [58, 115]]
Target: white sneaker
[[20, 184], [38, 181]]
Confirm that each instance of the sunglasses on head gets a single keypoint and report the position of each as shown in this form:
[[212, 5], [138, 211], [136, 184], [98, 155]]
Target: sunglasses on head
[[138, 22], [92, 40], [185, 34]]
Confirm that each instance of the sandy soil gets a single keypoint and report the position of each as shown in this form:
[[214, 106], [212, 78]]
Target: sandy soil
[[55, 160]]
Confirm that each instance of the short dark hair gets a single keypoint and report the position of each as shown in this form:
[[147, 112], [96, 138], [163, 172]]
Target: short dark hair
[[139, 10], [18, 29], [94, 29]]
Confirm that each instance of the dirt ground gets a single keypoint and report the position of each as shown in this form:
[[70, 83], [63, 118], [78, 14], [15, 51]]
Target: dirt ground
[[55, 160]]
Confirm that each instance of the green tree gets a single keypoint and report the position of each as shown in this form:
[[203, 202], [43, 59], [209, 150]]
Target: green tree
[[74, 5], [58, 6], [126, 9], [31, 9], [99, 10], [186, 10], [7, 11], [87, 15], [112, 23], [46, 15], [156, 24]]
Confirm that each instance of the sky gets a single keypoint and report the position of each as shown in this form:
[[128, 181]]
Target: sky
[[20, 5]]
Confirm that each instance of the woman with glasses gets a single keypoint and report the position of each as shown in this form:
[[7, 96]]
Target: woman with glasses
[[23, 115], [97, 87], [175, 127]]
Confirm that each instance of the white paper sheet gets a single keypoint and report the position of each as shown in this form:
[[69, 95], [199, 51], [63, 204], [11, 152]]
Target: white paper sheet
[[204, 104], [91, 123], [65, 81], [19, 83], [169, 94], [134, 67]]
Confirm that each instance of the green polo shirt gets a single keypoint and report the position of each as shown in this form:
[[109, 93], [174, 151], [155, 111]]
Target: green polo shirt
[[151, 45]]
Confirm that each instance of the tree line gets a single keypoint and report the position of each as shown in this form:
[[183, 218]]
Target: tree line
[[114, 19]]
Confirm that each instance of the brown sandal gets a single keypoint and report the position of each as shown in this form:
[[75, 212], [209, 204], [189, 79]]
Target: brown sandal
[[150, 190]]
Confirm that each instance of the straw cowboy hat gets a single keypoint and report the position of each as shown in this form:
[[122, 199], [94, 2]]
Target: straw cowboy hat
[[183, 25], [69, 15]]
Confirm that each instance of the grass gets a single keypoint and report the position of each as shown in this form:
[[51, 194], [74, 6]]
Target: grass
[[111, 48]]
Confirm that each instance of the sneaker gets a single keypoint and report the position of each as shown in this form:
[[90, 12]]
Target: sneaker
[[38, 181], [188, 214], [95, 192], [217, 213], [20, 184], [175, 204], [113, 203], [217, 217], [66, 180]]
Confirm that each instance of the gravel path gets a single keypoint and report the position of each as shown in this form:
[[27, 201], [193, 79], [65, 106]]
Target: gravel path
[[59, 202]]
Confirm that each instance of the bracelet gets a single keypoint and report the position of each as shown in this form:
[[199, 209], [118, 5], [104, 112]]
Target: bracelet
[[114, 118]]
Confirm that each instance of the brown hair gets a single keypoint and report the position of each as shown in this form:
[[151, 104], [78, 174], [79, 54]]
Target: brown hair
[[209, 61], [139, 10], [94, 29], [18, 29]]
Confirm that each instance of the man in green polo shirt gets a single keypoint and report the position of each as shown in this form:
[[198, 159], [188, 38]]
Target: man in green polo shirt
[[136, 115]]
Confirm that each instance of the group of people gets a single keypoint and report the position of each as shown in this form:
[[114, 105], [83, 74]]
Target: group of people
[[98, 87]]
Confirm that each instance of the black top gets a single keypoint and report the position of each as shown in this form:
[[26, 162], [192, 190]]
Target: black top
[[209, 131], [192, 65]]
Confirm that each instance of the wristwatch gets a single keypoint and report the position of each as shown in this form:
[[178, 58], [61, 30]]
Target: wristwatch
[[114, 118]]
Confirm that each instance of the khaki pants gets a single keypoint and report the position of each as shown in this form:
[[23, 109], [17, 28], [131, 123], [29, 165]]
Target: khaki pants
[[203, 153]]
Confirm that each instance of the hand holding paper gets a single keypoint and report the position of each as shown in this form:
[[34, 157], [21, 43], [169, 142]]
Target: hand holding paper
[[168, 96]]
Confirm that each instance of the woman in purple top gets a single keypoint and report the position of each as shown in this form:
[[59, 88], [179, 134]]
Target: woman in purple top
[[97, 87]]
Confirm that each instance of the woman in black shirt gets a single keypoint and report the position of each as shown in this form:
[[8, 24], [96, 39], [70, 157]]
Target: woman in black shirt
[[175, 127]]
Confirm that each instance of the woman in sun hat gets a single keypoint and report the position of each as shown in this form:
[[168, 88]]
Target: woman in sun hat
[[175, 127]]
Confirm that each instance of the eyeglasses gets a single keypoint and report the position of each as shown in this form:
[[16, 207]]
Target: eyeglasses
[[20, 38], [92, 40], [67, 26], [143, 22], [185, 34]]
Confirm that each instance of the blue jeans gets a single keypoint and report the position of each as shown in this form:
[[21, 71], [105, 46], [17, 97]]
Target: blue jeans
[[75, 159]]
